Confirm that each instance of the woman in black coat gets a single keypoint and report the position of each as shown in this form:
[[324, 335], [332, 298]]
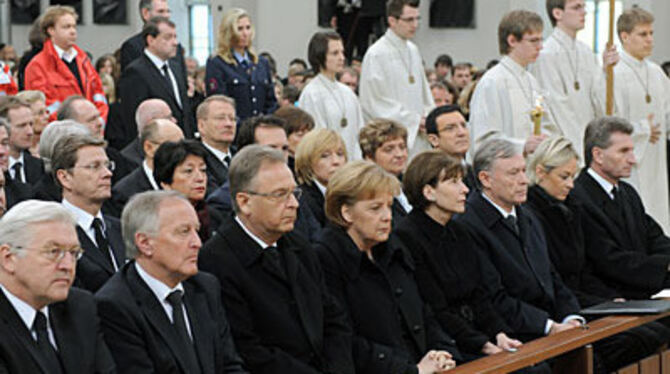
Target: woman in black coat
[[447, 264], [236, 71], [372, 278]]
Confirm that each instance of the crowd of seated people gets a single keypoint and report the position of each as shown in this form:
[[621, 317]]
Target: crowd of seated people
[[162, 217]]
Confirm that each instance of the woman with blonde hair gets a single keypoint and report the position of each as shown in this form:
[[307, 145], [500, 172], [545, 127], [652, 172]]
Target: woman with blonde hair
[[372, 278], [320, 153], [237, 71]]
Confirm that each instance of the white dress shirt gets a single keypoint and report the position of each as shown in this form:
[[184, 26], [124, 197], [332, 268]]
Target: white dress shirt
[[255, 238], [159, 65], [150, 175], [28, 313], [11, 170], [85, 221]]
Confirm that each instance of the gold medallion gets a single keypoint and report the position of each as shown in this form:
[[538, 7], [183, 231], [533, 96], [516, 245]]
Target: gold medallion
[[411, 79], [577, 85], [648, 98], [343, 122]]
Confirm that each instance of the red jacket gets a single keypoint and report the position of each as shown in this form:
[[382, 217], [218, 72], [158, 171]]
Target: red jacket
[[46, 72], [8, 86]]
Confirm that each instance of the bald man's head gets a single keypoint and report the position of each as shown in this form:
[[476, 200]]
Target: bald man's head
[[157, 132], [152, 109]]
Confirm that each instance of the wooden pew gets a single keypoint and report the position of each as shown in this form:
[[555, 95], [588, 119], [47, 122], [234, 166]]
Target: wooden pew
[[575, 342]]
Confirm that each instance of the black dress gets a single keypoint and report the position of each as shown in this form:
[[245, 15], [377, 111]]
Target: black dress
[[393, 328], [449, 278]]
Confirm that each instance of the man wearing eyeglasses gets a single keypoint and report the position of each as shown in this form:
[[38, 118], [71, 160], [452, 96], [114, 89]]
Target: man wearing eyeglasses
[[84, 172], [393, 84], [281, 316], [507, 94], [46, 326]]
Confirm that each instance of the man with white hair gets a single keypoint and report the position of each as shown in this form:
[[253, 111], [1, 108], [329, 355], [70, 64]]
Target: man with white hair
[[46, 326]]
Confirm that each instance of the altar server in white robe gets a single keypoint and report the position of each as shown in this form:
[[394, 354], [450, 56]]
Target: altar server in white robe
[[642, 96], [569, 72], [332, 104], [507, 93], [393, 83]]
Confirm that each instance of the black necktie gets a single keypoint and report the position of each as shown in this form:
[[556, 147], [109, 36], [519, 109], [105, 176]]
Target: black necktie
[[166, 75], [101, 240], [46, 349], [175, 298], [510, 221], [615, 195], [17, 171], [226, 160], [272, 256]]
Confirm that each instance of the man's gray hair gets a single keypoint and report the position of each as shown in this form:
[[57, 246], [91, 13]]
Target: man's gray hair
[[141, 215], [599, 131], [15, 225], [53, 133], [245, 166], [492, 150]]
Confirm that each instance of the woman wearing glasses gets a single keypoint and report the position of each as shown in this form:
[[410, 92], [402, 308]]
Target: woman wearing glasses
[[181, 166]]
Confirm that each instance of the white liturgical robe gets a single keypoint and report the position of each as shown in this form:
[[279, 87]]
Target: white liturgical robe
[[393, 85], [502, 102], [575, 84], [334, 106], [636, 81]]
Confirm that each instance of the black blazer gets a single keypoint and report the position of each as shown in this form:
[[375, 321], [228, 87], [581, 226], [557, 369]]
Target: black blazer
[[450, 280], [15, 191], [133, 153], [143, 340], [566, 241], [313, 199], [77, 332], [393, 328], [93, 269], [280, 325], [631, 253], [131, 184], [142, 80], [217, 171], [33, 168], [525, 288], [46, 189]]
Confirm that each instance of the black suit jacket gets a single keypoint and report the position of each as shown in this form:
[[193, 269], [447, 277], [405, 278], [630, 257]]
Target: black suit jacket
[[525, 288], [629, 252], [77, 332], [33, 168], [133, 153], [217, 171], [313, 199], [142, 338], [142, 80], [393, 328], [93, 269], [47, 189], [134, 46], [131, 184], [15, 191], [280, 325]]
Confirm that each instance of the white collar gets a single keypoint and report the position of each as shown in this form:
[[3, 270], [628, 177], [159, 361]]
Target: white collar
[[219, 154], [150, 175], [63, 54], [13, 160], [514, 66], [604, 183], [84, 219], [564, 38], [155, 59], [258, 240], [320, 186], [632, 61], [395, 39], [25, 311], [158, 288], [502, 211], [402, 199]]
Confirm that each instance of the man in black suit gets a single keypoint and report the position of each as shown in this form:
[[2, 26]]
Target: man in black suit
[[82, 169], [148, 110], [155, 133], [78, 108], [23, 167], [132, 48], [216, 125], [627, 247], [46, 326], [282, 317], [517, 271], [159, 314], [15, 191], [154, 75]]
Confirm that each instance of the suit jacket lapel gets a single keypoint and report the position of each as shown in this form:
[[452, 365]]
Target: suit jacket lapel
[[198, 312], [15, 324], [602, 201], [65, 334], [156, 316], [216, 167], [158, 76], [92, 251], [115, 242]]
